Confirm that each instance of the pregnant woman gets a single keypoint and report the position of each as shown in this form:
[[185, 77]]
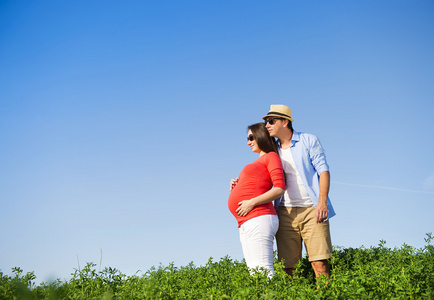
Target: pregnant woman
[[250, 200]]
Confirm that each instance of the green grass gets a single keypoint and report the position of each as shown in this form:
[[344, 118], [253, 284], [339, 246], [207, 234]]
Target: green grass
[[357, 273]]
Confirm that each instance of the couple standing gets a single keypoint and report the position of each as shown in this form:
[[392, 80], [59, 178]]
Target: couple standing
[[294, 173]]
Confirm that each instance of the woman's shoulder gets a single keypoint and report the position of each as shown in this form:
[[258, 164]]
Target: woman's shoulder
[[272, 160], [271, 156], [272, 153]]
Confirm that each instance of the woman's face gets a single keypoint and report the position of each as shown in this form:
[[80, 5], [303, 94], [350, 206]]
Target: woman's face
[[252, 142]]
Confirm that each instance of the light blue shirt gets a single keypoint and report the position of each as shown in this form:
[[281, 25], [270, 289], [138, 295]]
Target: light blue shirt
[[310, 161]]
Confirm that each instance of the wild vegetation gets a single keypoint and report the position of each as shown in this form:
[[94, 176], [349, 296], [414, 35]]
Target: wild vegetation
[[357, 273]]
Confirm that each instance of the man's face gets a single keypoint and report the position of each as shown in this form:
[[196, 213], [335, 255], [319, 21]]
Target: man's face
[[274, 125]]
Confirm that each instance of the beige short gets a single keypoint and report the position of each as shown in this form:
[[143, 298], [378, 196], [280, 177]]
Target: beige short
[[298, 224]]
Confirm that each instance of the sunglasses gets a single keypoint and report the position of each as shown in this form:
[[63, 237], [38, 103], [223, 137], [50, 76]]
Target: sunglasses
[[250, 138], [271, 120]]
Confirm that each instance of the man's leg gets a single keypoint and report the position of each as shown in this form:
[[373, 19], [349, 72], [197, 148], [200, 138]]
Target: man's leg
[[321, 267], [318, 243], [289, 243], [289, 271]]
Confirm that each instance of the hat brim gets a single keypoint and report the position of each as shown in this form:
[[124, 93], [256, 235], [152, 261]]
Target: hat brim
[[277, 116]]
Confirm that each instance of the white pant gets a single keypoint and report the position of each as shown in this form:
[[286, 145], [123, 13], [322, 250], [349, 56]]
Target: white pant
[[257, 236]]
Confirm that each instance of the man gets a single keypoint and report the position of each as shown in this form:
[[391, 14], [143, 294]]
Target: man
[[305, 209]]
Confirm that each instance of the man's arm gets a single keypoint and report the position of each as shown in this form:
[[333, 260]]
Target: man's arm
[[321, 212]]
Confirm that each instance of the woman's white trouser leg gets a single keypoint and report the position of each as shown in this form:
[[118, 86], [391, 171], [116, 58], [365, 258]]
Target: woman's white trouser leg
[[257, 237]]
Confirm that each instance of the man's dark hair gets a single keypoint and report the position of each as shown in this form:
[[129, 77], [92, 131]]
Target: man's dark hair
[[290, 126]]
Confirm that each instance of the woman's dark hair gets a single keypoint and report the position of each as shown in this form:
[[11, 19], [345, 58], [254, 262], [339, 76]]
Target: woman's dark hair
[[265, 142]]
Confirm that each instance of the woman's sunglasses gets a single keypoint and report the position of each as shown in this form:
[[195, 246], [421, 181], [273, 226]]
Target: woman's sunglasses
[[271, 120], [250, 138]]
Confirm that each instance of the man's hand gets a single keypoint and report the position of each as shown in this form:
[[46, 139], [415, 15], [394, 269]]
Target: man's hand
[[246, 206], [321, 212]]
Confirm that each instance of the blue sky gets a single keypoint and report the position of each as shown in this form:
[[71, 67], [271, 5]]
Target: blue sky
[[123, 123]]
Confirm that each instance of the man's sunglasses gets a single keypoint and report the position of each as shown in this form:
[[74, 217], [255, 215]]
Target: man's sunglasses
[[250, 138], [271, 120]]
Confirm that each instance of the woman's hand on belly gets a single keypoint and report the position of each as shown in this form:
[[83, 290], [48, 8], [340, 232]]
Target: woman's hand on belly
[[245, 207]]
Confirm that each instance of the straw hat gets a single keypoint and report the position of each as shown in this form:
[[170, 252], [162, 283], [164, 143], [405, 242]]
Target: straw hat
[[279, 111]]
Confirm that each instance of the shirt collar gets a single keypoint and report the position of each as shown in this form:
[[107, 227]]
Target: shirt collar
[[295, 136]]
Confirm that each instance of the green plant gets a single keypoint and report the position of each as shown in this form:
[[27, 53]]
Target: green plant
[[357, 273]]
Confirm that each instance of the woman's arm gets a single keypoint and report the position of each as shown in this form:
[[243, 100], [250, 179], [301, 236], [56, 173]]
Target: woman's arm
[[274, 167], [246, 206]]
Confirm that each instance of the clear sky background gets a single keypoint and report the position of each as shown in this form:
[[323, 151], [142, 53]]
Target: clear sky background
[[122, 123]]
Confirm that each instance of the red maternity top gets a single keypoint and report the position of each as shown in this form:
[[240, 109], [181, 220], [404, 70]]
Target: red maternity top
[[254, 180]]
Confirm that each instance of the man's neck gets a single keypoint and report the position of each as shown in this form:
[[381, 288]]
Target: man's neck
[[285, 139]]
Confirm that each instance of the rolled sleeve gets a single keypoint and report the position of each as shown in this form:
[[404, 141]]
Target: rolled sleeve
[[317, 155], [319, 163]]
